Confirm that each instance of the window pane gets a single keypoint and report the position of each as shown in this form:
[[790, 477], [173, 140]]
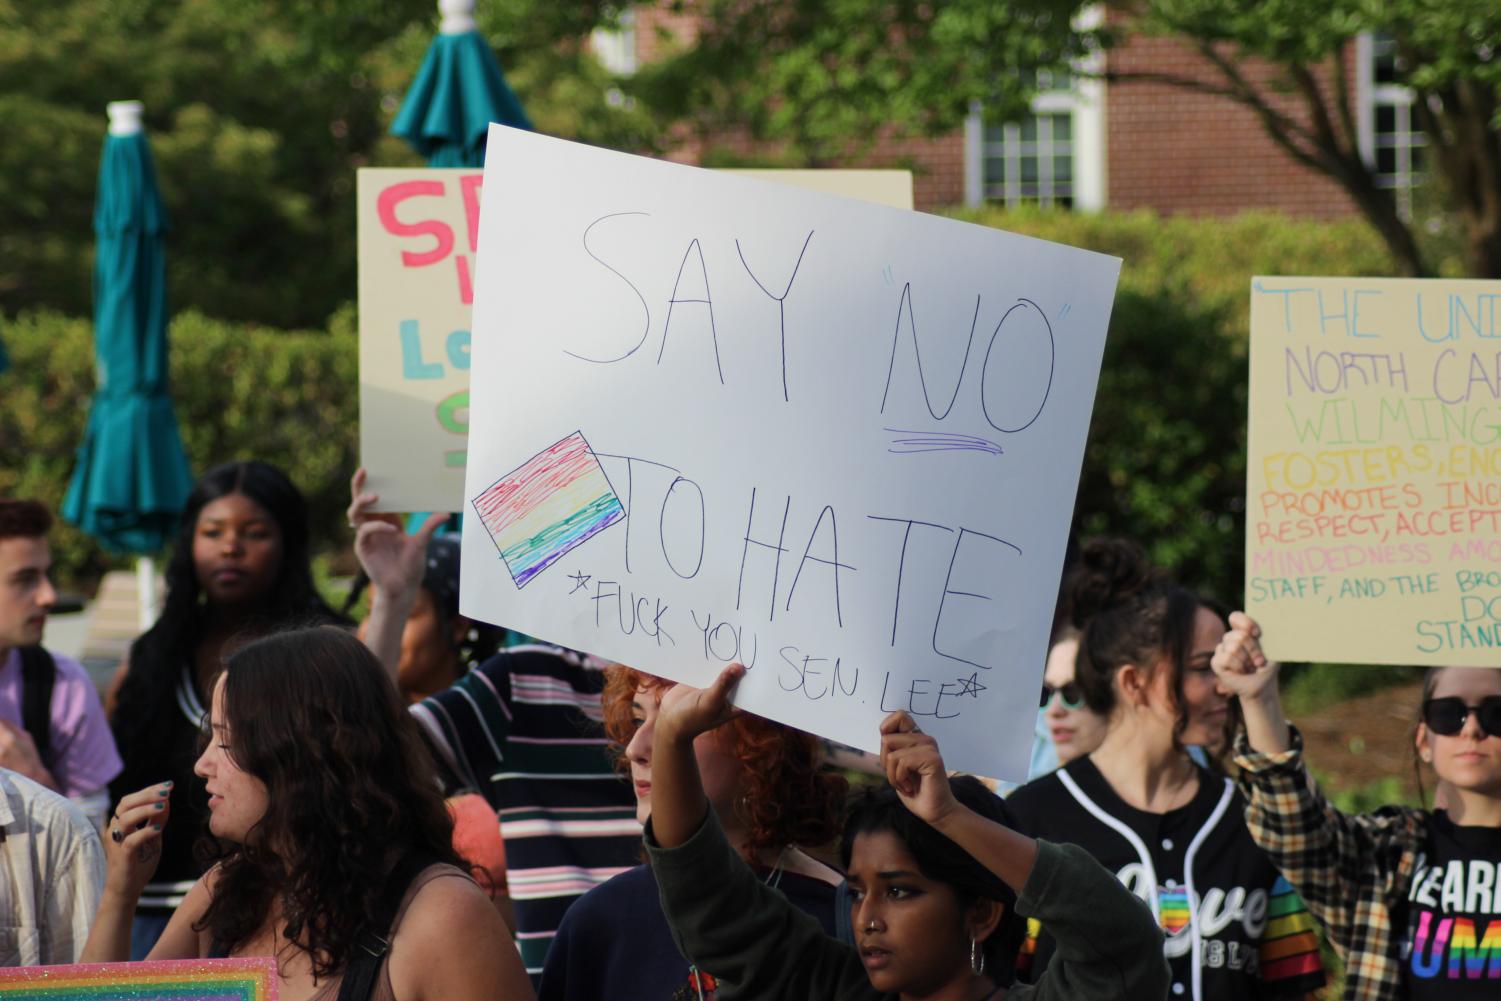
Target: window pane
[[1386, 160], [1030, 160], [1384, 67], [1386, 118]]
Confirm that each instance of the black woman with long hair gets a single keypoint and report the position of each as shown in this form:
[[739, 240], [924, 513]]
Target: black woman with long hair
[[939, 885], [332, 847], [240, 567]]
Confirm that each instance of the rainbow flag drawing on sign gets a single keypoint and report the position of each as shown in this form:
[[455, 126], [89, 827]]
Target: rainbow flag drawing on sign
[[244, 979], [555, 501]]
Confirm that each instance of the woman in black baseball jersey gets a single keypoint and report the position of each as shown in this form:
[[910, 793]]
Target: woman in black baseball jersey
[[1172, 831]]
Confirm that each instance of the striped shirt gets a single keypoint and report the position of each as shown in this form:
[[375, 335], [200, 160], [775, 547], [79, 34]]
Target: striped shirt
[[525, 730]]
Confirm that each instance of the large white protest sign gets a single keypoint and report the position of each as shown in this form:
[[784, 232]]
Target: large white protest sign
[[716, 419]]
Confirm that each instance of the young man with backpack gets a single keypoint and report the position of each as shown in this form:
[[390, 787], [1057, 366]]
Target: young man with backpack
[[52, 726]]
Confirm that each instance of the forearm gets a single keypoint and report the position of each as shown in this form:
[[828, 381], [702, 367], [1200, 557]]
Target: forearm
[[1266, 723], [387, 621], [998, 848], [109, 936], [678, 803], [1107, 943]]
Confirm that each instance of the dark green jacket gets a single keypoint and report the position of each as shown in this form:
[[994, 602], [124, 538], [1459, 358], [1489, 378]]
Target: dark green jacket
[[762, 948]]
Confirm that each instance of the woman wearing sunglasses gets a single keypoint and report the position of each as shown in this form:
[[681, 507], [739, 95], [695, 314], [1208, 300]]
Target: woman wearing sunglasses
[[1074, 728], [1410, 897]]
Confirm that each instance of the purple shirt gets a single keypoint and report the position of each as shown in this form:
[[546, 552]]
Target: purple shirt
[[83, 757]]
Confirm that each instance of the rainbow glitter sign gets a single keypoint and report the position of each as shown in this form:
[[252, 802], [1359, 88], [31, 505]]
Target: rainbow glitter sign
[[555, 501], [245, 979]]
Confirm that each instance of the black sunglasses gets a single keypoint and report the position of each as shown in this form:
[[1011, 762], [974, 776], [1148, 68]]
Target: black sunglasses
[[1447, 716], [1071, 693]]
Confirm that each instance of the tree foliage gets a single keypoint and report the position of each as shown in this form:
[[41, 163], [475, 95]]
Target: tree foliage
[[821, 78], [1447, 53], [258, 112]]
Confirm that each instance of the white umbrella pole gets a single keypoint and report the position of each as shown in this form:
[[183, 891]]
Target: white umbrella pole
[[458, 16], [146, 592]]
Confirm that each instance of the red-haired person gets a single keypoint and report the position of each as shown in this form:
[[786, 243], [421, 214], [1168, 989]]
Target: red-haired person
[[52, 726], [764, 783]]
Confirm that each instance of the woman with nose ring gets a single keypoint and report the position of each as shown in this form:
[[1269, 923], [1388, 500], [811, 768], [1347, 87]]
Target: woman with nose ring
[[939, 883], [1408, 896]]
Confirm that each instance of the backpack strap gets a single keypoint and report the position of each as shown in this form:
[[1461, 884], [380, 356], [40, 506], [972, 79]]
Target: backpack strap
[[370, 948], [38, 672]]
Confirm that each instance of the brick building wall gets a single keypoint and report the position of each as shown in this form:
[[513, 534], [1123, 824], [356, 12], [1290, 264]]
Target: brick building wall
[[1177, 151]]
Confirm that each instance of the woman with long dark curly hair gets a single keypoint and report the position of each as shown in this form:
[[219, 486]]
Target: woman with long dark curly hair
[[239, 568], [771, 796], [331, 842]]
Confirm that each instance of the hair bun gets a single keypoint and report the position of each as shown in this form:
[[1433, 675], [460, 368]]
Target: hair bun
[[1110, 570]]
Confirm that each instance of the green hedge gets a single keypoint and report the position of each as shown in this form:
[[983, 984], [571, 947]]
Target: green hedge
[[288, 397], [1166, 457]]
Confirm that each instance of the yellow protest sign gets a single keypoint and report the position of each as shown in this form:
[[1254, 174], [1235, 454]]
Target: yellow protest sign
[[417, 239], [1373, 494]]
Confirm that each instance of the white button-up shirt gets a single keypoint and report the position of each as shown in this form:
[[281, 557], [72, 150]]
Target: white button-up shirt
[[53, 874]]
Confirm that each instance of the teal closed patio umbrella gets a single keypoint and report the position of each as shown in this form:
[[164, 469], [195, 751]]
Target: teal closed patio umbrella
[[132, 476], [459, 91]]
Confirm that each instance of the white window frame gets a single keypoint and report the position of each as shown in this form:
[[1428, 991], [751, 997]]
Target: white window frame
[[1084, 102], [1368, 96], [615, 48]]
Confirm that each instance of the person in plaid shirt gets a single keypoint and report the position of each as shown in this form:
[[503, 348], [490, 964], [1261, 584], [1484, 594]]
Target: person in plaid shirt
[[1411, 898]]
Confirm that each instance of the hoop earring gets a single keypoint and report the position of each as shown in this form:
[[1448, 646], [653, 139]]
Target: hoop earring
[[976, 957]]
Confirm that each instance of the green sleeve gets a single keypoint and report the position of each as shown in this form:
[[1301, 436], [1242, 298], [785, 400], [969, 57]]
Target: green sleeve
[[1107, 945], [750, 937]]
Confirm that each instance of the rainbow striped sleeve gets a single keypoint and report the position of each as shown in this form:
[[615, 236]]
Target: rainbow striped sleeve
[[1289, 945], [1026, 957]]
